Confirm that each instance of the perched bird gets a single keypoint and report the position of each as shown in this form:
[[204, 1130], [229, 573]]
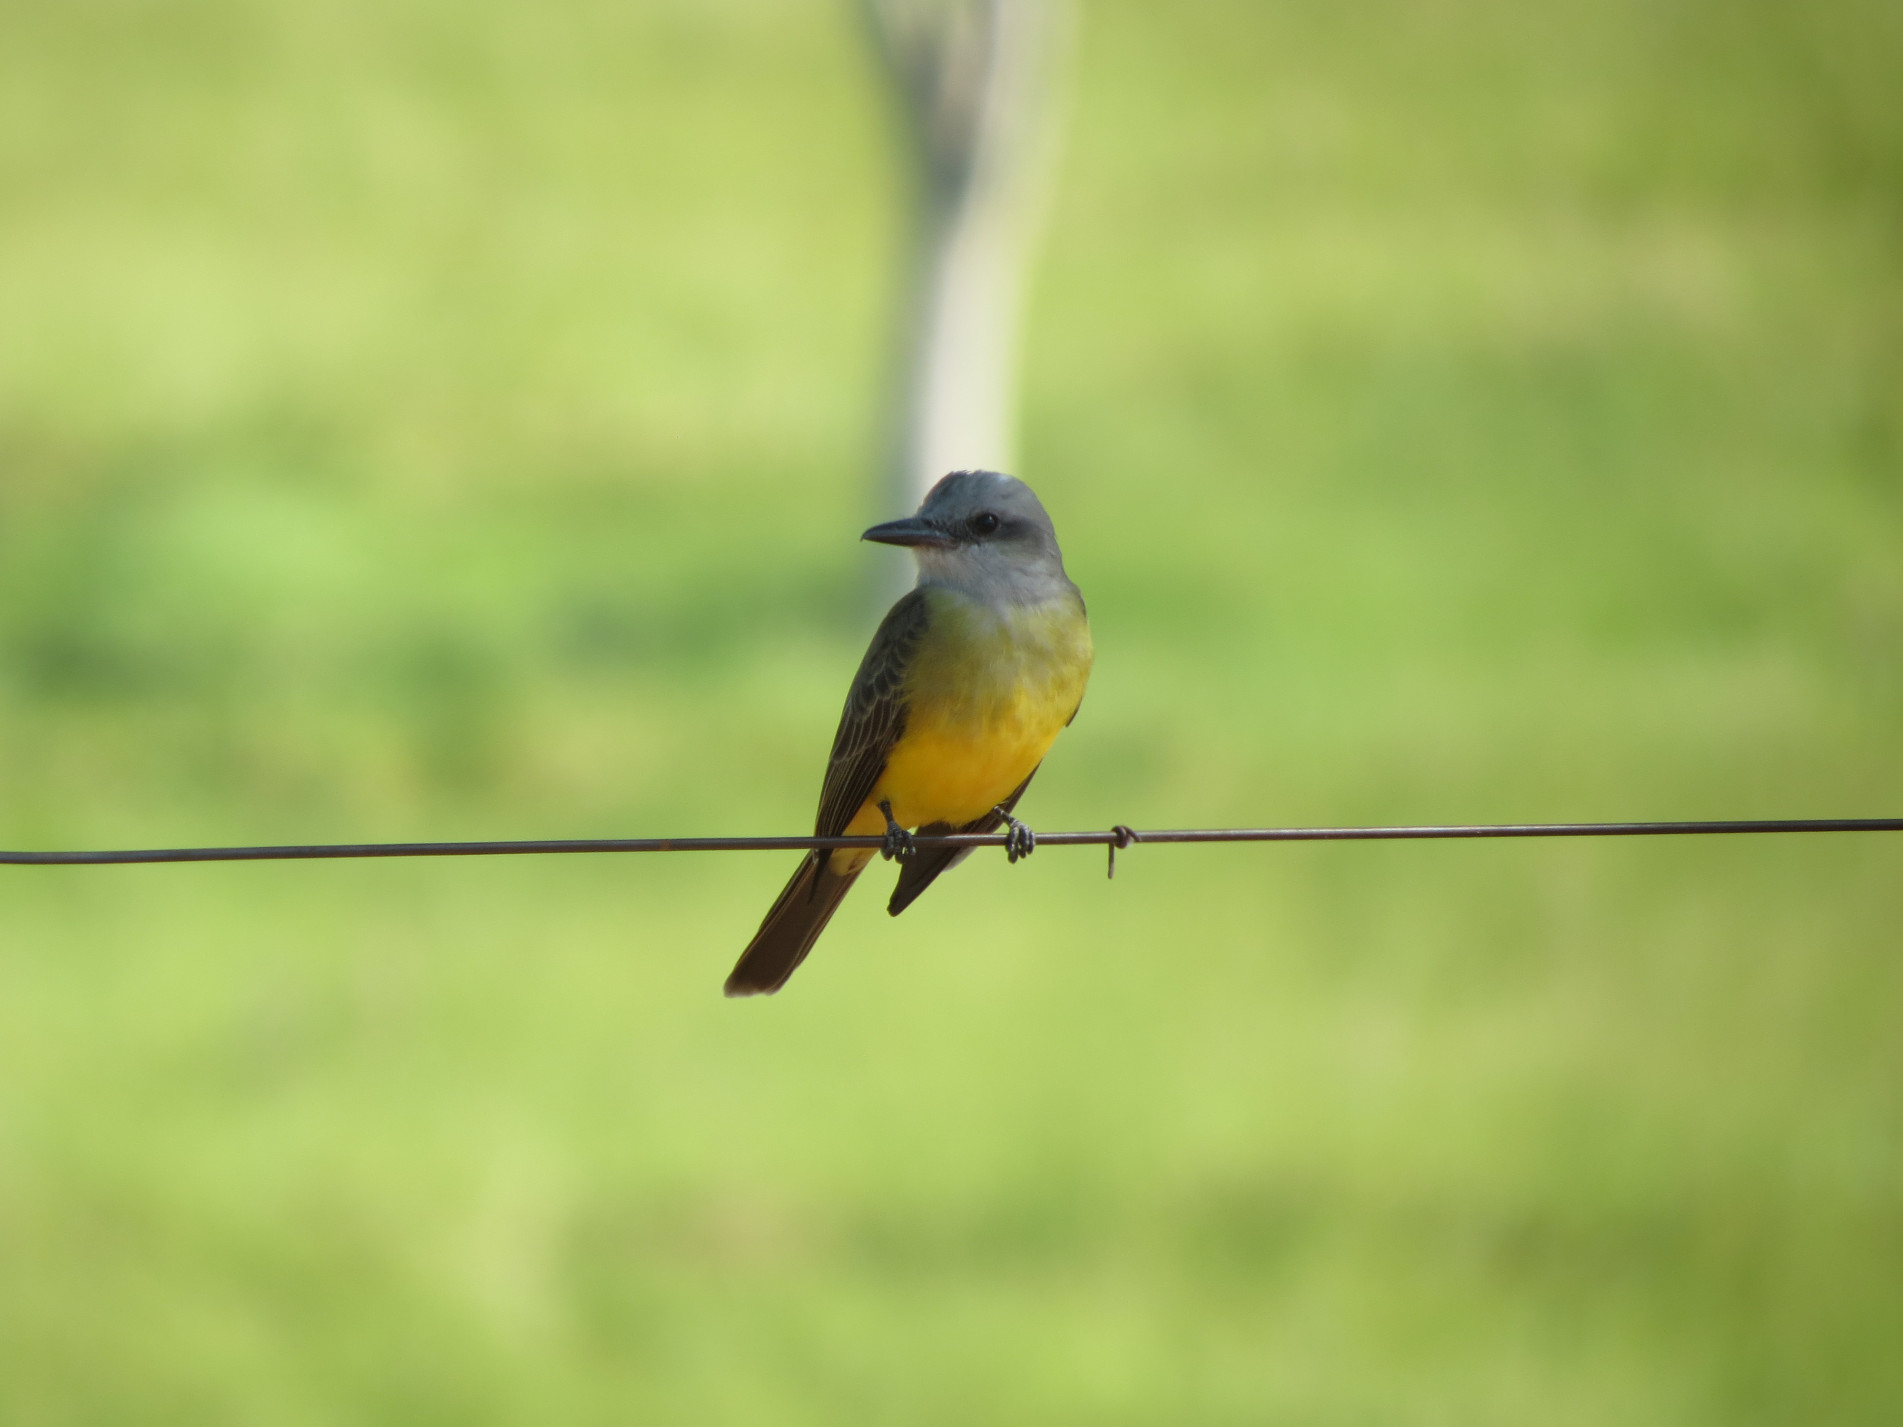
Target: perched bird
[[969, 680]]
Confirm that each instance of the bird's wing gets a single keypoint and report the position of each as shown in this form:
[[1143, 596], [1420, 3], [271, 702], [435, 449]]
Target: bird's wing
[[874, 717]]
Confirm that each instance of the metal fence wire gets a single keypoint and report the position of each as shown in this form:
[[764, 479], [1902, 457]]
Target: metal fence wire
[[1112, 838]]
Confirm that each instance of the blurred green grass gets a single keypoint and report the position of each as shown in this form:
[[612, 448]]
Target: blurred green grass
[[454, 420]]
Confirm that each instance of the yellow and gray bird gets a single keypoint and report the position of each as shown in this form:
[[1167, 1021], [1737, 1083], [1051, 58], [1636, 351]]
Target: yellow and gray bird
[[968, 682]]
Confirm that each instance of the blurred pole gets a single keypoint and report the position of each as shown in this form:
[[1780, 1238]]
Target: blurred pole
[[977, 82]]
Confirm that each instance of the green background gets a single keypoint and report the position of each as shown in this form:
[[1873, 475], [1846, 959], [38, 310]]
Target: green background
[[454, 420]]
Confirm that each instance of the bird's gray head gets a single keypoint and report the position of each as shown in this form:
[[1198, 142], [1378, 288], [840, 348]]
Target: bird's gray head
[[984, 532]]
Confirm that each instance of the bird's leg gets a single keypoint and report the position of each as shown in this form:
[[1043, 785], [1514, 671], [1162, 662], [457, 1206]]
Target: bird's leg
[[898, 842], [1019, 840]]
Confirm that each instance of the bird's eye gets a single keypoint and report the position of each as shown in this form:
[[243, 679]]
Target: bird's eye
[[984, 523]]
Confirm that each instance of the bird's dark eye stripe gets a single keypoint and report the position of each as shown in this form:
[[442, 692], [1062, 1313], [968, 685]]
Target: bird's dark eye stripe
[[983, 523]]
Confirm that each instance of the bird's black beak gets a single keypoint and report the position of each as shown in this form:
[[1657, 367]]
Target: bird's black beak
[[913, 530]]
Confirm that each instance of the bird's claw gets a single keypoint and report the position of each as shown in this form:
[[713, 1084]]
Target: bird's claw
[[898, 842], [1019, 840]]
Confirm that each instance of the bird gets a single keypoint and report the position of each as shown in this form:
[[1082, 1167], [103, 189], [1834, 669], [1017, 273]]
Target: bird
[[968, 680]]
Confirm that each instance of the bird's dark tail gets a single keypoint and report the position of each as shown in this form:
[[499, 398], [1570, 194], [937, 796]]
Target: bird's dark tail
[[792, 925]]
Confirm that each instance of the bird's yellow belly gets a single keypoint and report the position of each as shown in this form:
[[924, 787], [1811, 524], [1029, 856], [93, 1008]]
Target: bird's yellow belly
[[984, 707], [951, 774]]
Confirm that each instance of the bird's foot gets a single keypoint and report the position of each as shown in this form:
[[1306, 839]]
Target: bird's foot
[[898, 842], [1019, 840]]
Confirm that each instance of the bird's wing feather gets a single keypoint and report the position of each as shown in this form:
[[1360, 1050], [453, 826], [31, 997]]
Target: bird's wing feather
[[874, 717]]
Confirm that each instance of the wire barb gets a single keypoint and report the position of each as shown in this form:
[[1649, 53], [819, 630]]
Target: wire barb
[[1114, 838]]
